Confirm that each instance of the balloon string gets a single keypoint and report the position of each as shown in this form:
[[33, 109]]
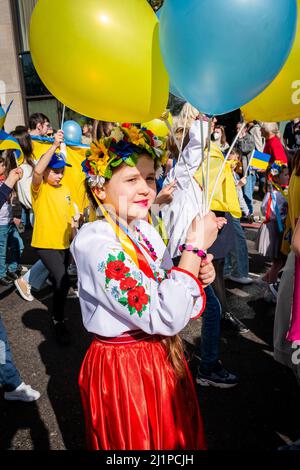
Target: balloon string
[[186, 166], [182, 140], [224, 163], [206, 206], [63, 116], [202, 153]]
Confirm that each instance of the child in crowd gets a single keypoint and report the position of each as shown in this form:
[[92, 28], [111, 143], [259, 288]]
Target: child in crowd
[[38, 272], [11, 244], [135, 385], [52, 231], [274, 207], [237, 261]]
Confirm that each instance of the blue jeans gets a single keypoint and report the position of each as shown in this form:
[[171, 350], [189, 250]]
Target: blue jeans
[[248, 191], [208, 347], [37, 275], [11, 249], [9, 374], [237, 261]]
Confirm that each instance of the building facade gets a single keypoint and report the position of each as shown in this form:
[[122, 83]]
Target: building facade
[[18, 78]]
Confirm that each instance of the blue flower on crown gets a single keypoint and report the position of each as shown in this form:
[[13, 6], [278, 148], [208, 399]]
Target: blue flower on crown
[[276, 168], [124, 149]]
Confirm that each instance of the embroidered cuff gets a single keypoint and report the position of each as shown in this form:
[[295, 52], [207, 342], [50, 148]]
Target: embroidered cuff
[[197, 289]]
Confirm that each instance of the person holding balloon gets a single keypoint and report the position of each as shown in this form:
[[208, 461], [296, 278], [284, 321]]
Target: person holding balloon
[[136, 389], [52, 231]]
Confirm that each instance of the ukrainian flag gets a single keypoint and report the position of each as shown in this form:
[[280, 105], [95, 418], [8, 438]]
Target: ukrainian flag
[[8, 142], [259, 160], [3, 114]]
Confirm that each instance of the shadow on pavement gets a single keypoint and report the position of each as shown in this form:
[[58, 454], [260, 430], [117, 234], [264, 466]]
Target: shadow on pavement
[[62, 366], [18, 415]]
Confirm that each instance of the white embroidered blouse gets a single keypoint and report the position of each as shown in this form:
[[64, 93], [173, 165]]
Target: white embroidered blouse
[[117, 297]]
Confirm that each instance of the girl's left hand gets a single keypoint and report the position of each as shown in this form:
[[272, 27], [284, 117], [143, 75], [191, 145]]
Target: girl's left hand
[[207, 272], [165, 196]]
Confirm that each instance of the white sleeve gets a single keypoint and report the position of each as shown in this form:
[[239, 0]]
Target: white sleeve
[[192, 155], [110, 281]]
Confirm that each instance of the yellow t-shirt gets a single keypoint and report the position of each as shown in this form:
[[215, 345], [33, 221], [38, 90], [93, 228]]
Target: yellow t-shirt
[[52, 216]]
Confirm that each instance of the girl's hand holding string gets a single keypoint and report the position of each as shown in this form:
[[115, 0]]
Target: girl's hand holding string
[[207, 272]]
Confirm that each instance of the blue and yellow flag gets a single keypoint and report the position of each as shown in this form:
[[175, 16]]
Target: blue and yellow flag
[[259, 160], [8, 142], [3, 114]]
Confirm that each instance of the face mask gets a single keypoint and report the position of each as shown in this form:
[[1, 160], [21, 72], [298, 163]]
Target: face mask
[[217, 136]]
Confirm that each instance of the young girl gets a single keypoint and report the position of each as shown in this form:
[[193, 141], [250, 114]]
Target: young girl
[[219, 137], [11, 244], [24, 185], [274, 208], [136, 389], [52, 229]]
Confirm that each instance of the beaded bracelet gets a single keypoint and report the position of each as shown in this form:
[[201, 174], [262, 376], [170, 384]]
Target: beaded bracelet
[[192, 248]]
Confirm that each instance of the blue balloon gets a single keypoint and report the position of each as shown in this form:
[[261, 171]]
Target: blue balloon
[[220, 54], [72, 131]]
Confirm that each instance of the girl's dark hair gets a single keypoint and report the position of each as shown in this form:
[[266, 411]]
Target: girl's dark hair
[[296, 163], [24, 139], [8, 158]]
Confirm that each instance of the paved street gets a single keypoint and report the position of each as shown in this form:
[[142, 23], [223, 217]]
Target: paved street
[[260, 413]]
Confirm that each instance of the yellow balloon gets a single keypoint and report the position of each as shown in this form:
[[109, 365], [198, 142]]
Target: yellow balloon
[[158, 126], [101, 58], [280, 101]]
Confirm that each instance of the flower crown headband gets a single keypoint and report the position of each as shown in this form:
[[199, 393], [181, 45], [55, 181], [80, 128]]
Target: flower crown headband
[[277, 167], [124, 145]]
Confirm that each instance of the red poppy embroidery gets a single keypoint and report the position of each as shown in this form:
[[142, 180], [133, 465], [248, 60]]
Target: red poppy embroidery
[[137, 298], [128, 283], [116, 270]]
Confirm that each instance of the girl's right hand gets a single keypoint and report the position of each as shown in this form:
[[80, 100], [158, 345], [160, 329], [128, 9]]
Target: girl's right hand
[[203, 232]]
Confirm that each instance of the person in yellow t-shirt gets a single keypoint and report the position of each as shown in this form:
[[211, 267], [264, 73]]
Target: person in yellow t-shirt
[[51, 203]]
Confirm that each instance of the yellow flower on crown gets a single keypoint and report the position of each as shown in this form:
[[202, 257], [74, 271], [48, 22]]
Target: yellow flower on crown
[[135, 136], [102, 164], [98, 149]]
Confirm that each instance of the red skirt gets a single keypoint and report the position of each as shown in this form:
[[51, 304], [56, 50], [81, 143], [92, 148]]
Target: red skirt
[[132, 399]]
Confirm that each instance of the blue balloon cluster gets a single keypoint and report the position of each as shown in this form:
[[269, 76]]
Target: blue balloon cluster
[[220, 54], [72, 132]]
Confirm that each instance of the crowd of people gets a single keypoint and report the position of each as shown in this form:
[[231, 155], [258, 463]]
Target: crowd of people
[[149, 257]]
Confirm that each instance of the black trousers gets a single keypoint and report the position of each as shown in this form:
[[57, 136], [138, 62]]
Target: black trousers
[[219, 284], [56, 261]]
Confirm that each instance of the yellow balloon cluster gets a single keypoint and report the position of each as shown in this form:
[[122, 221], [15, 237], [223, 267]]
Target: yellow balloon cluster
[[101, 58], [159, 126], [280, 101]]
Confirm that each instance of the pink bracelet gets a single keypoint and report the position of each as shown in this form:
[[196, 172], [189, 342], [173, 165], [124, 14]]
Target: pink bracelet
[[192, 248]]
